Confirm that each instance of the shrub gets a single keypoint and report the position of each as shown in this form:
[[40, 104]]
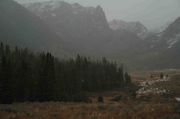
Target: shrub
[[100, 99]]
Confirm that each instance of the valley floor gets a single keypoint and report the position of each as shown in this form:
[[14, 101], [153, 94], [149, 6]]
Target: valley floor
[[121, 110], [117, 105]]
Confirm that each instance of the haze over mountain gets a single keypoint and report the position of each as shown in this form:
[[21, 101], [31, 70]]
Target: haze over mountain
[[89, 59], [151, 13], [164, 48], [81, 28], [19, 27], [52, 25], [85, 30]]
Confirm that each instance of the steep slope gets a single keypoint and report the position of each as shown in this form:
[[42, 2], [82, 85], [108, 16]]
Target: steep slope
[[81, 28], [85, 30], [172, 34], [170, 37], [163, 49], [20, 27]]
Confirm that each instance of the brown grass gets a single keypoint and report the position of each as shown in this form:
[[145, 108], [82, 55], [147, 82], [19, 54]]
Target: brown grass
[[121, 110]]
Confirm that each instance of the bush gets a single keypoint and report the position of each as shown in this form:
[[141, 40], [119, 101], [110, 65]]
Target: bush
[[100, 99], [117, 98]]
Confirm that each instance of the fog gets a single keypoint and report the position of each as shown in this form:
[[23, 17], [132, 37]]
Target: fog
[[152, 13]]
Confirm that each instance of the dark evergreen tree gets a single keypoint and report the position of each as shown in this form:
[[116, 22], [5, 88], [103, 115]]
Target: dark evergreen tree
[[6, 81], [27, 76], [127, 78]]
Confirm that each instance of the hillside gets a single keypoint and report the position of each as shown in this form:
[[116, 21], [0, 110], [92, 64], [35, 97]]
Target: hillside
[[164, 48], [20, 27], [84, 30]]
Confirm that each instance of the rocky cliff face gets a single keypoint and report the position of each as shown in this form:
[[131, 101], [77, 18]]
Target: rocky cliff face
[[163, 48], [85, 30], [59, 14], [170, 37], [172, 34], [82, 28]]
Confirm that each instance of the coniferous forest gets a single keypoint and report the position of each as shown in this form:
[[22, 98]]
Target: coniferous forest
[[28, 76]]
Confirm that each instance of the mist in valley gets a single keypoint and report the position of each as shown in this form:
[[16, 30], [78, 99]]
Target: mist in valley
[[89, 59]]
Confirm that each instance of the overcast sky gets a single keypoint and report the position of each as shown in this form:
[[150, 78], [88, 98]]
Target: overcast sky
[[152, 13]]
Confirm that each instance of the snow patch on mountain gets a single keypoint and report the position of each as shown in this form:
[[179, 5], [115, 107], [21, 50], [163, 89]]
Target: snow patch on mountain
[[48, 5], [53, 14], [171, 42], [142, 33], [52, 5]]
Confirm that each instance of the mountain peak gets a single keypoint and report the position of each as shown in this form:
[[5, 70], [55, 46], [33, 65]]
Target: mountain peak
[[99, 8], [173, 29]]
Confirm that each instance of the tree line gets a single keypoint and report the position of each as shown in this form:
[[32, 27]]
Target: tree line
[[28, 76]]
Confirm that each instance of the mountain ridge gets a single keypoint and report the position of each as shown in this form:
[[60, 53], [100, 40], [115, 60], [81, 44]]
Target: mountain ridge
[[84, 30]]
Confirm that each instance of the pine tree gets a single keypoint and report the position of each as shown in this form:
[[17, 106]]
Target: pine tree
[[127, 78], [27, 76], [6, 81]]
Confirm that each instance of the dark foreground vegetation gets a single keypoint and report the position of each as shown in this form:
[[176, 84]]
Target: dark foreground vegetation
[[27, 76], [155, 108]]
